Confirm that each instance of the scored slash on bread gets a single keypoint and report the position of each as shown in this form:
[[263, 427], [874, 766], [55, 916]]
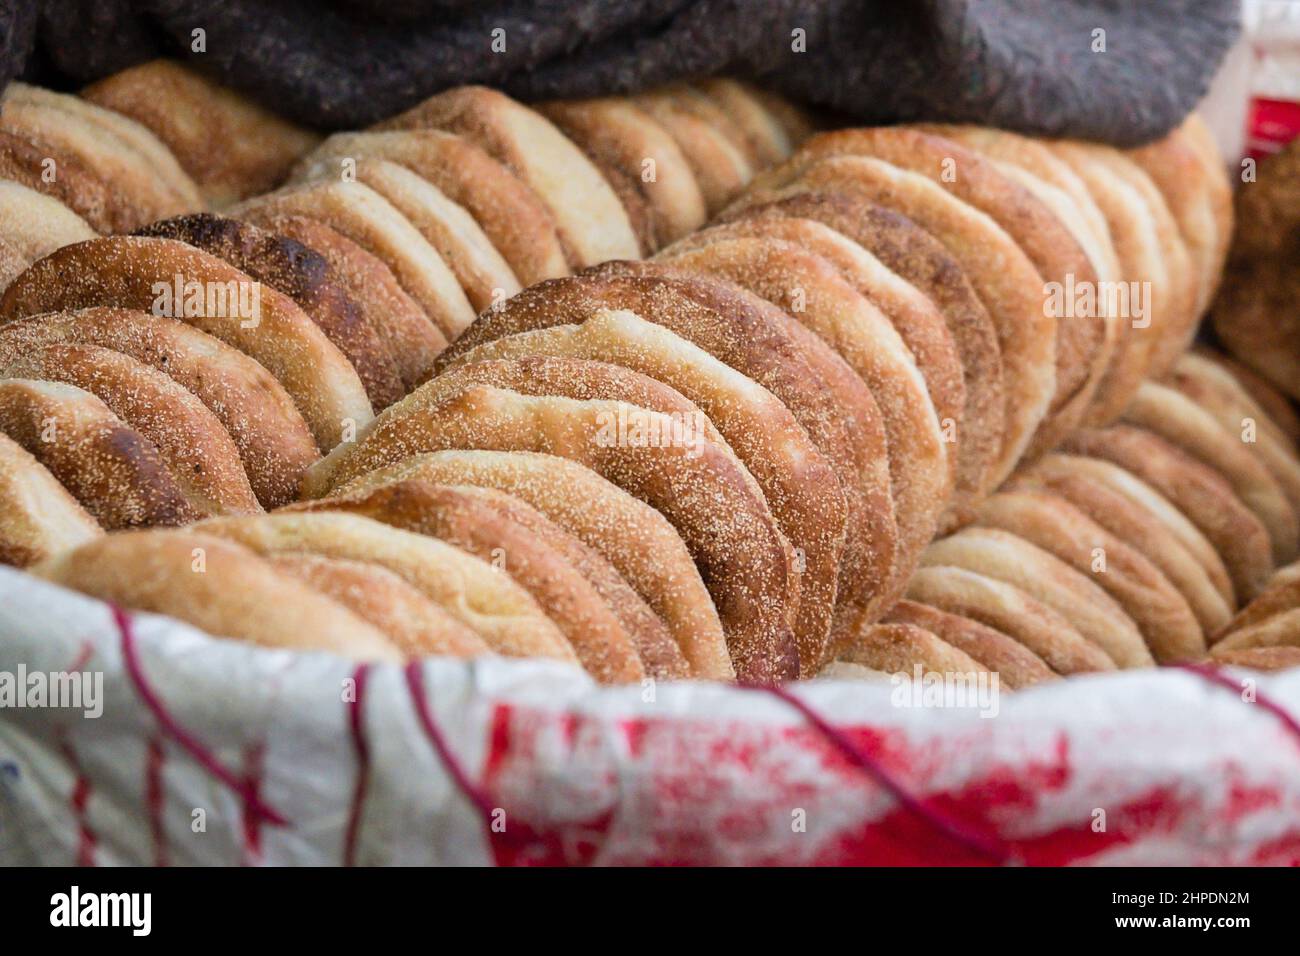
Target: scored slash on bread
[[124, 270]]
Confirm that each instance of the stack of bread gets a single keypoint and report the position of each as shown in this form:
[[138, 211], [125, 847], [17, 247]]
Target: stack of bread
[[447, 407]]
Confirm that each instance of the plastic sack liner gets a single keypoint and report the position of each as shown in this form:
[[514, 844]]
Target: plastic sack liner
[[213, 752]]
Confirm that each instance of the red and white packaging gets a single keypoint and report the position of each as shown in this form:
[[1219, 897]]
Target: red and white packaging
[[213, 752], [1253, 106]]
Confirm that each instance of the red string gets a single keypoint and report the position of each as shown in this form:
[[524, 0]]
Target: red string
[[1216, 676], [187, 741], [515, 832], [987, 846], [357, 729]]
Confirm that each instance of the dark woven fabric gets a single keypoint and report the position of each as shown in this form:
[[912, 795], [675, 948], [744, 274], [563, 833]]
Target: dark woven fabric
[[1022, 64]]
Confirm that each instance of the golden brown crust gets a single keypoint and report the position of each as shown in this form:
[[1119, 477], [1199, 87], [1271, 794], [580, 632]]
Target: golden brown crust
[[1164, 618], [60, 175], [1184, 424], [1129, 522], [637, 540], [1278, 630], [1259, 658], [1011, 611], [1276, 599], [12, 262], [506, 209], [489, 603], [483, 274], [1280, 410], [591, 223], [758, 340], [1188, 188], [218, 587], [914, 317], [230, 146], [129, 272], [1049, 245], [34, 225], [719, 164], [143, 176], [1173, 522], [799, 485], [1016, 665], [1219, 392], [1011, 293], [192, 441], [112, 470], [416, 625], [621, 138], [411, 340], [897, 648], [38, 517], [372, 222], [1009, 558], [916, 256], [700, 487], [304, 276], [477, 521], [808, 288], [768, 139], [274, 442], [1196, 490]]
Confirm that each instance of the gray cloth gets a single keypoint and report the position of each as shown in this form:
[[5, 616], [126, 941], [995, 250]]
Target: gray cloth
[[1022, 64]]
